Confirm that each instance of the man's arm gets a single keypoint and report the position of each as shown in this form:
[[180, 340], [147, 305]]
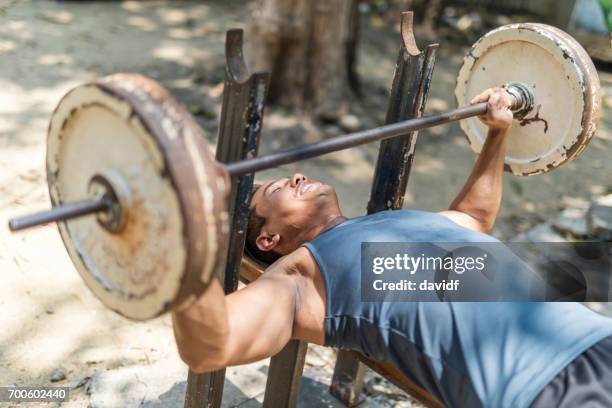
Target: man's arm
[[479, 200], [248, 325]]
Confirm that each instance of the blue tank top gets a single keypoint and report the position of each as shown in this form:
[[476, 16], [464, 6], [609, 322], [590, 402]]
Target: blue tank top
[[465, 354]]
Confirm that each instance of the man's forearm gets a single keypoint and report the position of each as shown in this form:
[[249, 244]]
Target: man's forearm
[[481, 195], [202, 330]]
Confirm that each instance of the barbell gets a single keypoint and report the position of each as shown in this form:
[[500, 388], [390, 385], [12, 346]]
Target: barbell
[[122, 149]]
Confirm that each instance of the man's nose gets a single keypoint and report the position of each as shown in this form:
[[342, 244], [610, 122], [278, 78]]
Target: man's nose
[[296, 178]]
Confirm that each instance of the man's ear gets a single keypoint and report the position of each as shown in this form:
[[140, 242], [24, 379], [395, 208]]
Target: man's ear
[[266, 241]]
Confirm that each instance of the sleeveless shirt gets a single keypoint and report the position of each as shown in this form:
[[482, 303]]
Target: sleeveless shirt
[[481, 354]]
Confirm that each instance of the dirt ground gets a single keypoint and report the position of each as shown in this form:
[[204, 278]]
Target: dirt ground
[[50, 321]]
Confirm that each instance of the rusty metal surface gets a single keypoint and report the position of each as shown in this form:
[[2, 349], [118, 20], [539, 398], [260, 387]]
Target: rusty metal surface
[[592, 92], [199, 180], [411, 82], [239, 134], [565, 85], [174, 157]]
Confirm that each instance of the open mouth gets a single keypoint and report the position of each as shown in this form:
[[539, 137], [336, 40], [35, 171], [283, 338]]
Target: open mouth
[[304, 186]]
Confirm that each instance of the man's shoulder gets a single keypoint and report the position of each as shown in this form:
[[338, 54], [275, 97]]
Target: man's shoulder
[[298, 263], [400, 213]]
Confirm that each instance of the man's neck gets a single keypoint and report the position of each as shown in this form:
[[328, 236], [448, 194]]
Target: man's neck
[[330, 222], [333, 221]]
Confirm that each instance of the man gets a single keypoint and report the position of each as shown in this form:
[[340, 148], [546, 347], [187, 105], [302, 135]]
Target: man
[[465, 354]]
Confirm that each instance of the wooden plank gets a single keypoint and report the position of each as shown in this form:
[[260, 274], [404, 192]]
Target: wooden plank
[[203, 390], [239, 133], [407, 100], [284, 376], [347, 380], [393, 375]]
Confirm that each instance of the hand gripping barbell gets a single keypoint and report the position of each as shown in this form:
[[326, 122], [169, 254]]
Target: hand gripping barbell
[[123, 149]]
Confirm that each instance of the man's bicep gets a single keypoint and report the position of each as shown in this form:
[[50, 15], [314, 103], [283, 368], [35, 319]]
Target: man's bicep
[[261, 318], [463, 219]]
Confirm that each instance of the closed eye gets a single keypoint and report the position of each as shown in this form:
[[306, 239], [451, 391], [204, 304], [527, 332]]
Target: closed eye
[[274, 189]]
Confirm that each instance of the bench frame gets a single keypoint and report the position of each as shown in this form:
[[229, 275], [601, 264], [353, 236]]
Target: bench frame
[[239, 134]]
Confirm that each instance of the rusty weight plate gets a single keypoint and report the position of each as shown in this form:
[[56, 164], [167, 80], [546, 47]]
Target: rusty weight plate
[[129, 130], [566, 92]]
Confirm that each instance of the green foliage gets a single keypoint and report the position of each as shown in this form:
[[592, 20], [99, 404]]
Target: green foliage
[[606, 5], [517, 187]]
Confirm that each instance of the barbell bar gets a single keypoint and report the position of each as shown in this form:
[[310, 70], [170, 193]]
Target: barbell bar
[[523, 103], [63, 212], [392, 130], [123, 149]]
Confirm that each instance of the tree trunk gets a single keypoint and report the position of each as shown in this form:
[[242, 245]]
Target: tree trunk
[[432, 15], [309, 45]]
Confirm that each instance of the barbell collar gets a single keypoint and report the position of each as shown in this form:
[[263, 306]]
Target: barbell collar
[[523, 99], [62, 212]]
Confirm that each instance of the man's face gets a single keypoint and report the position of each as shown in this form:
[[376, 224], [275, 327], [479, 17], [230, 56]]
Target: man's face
[[293, 207]]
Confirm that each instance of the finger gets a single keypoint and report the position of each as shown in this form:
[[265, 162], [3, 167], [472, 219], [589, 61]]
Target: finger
[[483, 97], [507, 100], [493, 103], [508, 116]]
